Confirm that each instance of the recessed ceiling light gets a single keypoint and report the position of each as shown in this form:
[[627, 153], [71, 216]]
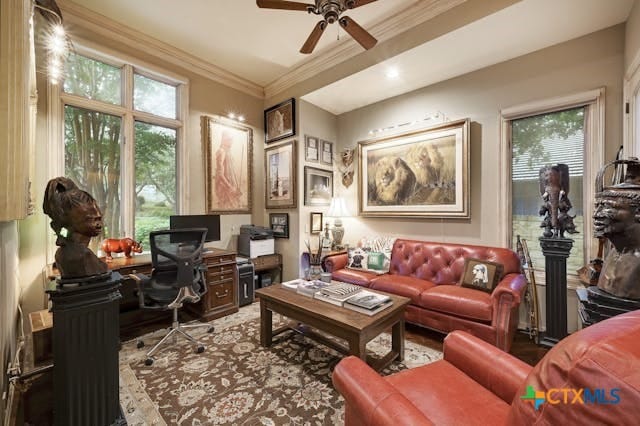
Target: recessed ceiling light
[[392, 73]]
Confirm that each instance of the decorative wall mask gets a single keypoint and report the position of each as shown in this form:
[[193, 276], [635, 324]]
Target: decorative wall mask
[[346, 166]]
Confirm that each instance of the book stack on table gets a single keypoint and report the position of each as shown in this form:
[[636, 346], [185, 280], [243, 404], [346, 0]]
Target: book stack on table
[[337, 293], [368, 302]]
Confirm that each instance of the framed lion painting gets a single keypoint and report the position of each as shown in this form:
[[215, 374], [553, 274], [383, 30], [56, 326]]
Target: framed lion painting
[[422, 173]]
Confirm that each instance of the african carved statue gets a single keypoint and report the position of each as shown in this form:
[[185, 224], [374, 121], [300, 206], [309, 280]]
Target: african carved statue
[[617, 218], [554, 190], [75, 218]]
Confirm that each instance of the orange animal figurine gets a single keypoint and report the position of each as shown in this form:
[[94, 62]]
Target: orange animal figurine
[[123, 245]]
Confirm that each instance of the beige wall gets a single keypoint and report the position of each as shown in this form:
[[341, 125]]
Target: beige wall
[[632, 38], [206, 97], [582, 64], [316, 122]]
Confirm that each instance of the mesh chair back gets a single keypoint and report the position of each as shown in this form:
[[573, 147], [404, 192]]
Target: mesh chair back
[[178, 250]]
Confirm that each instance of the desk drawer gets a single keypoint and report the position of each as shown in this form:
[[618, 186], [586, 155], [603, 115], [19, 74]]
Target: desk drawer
[[220, 294], [220, 270], [220, 260], [266, 262]]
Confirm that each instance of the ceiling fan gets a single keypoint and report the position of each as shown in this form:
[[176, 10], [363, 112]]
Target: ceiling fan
[[330, 10]]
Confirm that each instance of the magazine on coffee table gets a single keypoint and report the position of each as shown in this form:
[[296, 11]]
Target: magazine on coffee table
[[367, 300], [309, 288], [366, 311], [337, 293]]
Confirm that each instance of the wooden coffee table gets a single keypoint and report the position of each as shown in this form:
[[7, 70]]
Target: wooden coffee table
[[354, 327]]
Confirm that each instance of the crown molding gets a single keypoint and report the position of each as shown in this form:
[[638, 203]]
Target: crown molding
[[101, 25], [421, 11]]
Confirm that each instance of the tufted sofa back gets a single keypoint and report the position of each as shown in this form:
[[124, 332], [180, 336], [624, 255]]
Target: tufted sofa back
[[443, 263]]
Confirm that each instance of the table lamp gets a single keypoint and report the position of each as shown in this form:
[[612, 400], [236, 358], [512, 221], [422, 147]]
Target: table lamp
[[337, 209]]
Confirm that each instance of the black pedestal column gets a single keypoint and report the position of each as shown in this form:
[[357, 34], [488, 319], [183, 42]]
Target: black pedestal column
[[556, 251], [85, 352]]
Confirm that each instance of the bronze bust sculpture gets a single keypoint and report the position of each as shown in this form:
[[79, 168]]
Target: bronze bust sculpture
[[75, 218], [617, 218], [554, 190]]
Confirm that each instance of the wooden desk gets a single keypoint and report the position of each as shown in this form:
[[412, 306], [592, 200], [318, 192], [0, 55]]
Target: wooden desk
[[220, 300], [270, 264]]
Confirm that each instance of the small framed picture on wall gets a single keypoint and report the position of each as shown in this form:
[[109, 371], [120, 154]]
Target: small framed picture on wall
[[311, 148], [279, 224], [327, 153], [316, 223]]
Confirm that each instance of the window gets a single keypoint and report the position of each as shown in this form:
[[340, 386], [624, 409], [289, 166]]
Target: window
[[546, 139], [632, 113], [566, 130], [106, 102]]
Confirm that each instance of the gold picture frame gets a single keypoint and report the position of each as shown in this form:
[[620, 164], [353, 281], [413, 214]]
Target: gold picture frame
[[280, 121], [316, 223], [422, 173], [280, 173], [228, 154]]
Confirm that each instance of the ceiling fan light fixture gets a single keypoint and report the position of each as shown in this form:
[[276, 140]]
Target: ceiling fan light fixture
[[330, 10]]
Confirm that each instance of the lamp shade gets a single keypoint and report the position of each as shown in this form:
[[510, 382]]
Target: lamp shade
[[337, 208]]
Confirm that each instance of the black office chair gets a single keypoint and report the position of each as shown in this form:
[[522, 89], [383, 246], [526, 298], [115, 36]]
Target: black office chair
[[178, 276]]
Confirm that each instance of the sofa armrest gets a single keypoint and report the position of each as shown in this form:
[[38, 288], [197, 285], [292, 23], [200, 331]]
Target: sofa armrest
[[512, 285], [370, 399], [496, 370], [334, 262], [506, 298]]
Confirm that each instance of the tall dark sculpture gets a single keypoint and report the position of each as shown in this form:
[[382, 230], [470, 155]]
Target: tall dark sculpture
[[617, 218], [85, 305], [554, 190], [75, 218]]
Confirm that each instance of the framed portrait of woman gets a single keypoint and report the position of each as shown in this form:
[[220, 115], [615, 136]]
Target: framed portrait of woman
[[228, 153]]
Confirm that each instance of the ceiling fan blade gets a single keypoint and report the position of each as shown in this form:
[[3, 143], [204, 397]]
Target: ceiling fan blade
[[282, 4], [313, 38], [359, 34], [357, 3]]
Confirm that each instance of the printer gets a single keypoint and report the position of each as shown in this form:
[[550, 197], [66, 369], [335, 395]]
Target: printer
[[255, 241]]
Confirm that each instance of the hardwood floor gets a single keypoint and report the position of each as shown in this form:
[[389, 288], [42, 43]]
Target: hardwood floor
[[523, 347]]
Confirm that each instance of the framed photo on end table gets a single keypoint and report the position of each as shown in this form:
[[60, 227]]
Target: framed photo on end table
[[279, 224], [280, 121]]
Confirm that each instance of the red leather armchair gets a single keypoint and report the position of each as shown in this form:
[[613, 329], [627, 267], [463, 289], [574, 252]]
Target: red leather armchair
[[590, 377]]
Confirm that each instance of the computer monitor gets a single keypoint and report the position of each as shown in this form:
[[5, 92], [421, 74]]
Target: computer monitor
[[209, 221]]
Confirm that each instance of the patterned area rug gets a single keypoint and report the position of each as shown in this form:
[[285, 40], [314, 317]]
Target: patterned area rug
[[237, 381]]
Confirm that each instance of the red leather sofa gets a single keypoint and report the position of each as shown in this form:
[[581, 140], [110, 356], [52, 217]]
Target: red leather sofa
[[591, 377], [428, 273]]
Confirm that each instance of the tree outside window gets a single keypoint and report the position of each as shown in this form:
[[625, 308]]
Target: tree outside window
[[96, 154], [540, 140]]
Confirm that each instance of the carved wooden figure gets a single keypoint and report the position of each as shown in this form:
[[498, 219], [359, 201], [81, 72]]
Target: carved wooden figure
[[554, 190]]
